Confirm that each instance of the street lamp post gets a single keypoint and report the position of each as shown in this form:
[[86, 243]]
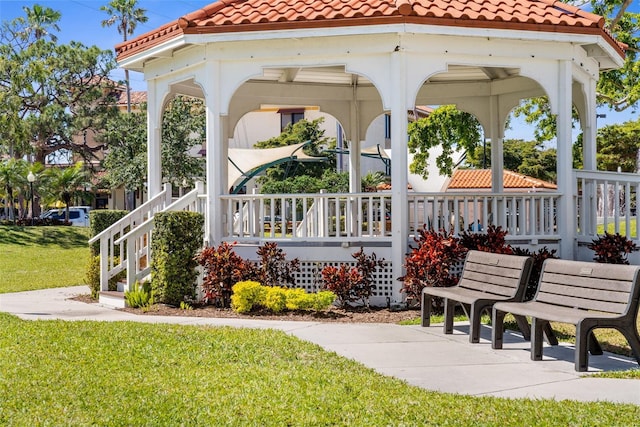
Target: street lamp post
[[31, 178]]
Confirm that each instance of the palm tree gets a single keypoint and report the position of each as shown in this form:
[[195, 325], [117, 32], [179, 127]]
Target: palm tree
[[40, 20], [12, 176], [126, 15], [66, 183]]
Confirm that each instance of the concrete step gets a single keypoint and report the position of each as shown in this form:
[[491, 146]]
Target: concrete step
[[112, 299]]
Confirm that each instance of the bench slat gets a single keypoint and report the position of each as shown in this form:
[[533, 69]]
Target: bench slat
[[603, 295], [488, 288], [494, 270], [588, 282], [491, 278], [590, 269], [488, 258], [581, 303]]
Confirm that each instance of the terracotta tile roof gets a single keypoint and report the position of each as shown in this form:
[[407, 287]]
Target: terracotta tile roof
[[258, 15], [137, 97], [473, 179]]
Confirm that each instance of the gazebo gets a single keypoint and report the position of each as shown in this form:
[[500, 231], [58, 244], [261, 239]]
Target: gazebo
[[358, 60]]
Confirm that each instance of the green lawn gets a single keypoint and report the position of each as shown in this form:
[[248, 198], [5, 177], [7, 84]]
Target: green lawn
[[102, 373], [623, 229], [42, 257]]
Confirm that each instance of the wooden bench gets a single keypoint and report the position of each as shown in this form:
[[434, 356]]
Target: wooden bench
[[486, 278], [585, 294]]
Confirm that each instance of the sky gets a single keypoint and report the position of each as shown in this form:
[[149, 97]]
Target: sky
[[81, 21]]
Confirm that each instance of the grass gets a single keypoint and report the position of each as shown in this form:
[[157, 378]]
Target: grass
[[42, 257], [623, 228], [102, 373]]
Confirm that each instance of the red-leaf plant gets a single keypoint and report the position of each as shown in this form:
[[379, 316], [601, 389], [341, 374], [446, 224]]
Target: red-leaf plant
[[430, 263], [612, 248], [223, 268], [353, 284]]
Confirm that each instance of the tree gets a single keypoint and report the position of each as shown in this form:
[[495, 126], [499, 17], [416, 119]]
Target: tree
[[49, 93], [66, 184], [183, 127], [125, 136], [525, 157], [40, 21], [618, 146], [126, 16], [13, 173], [313, 172], [448, 128], [618, 89]]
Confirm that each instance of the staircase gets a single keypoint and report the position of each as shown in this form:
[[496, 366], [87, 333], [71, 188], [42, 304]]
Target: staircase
[[125, 245]]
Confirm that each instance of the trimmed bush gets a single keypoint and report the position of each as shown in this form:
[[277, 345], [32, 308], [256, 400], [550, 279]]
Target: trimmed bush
[[100, 220], [276, 299], [177, 237], [247, 295]]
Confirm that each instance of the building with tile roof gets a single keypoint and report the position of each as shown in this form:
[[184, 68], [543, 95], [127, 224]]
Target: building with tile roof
[[480, 180], [357, 60]]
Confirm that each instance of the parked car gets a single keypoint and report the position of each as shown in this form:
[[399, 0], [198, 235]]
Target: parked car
[[78, 215]]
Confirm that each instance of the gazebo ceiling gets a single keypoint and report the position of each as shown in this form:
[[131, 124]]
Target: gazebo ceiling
[[226, 17]]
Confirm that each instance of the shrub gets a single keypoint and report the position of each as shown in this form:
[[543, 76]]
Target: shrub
[[492, 241], [612, 248], [322, 300], [352, 284], [341, 281], [177, 237], [222, 269], [274, 269], [93, 276], [276, 299], [430, 263], [247, 295], [536, 268], [140, 297]]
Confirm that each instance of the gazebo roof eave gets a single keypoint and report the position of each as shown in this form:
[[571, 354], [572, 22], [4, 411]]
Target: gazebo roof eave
[[162, 47]]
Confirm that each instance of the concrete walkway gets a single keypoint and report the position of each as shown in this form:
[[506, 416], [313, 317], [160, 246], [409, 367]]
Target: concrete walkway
[[421, 356]]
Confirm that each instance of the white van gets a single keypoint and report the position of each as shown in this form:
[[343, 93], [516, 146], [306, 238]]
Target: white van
[[78, 215]]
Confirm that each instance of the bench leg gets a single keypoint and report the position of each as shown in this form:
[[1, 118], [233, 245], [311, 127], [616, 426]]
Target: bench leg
[[582, 342], [475, 314], [425, 311], [594, 345], [524, 327], [631, 335], [537, 328], [449, 309], [551, 336], [497, 330]]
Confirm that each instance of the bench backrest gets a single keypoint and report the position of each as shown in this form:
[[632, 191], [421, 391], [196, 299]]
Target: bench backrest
[[496, 274], [608, 288]]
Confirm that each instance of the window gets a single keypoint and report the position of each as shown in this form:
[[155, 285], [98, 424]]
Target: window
[[387, 126], [290, 116]]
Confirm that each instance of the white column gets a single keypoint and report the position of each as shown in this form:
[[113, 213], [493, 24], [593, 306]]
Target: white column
[[399, 168], [355, 170], [566, 208], [590, 129], [154, 123], [497, 149], [216, 161]]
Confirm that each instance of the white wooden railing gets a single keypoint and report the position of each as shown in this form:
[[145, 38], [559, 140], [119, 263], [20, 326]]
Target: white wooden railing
[[126, 244], [606, 201], [346, 216]]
